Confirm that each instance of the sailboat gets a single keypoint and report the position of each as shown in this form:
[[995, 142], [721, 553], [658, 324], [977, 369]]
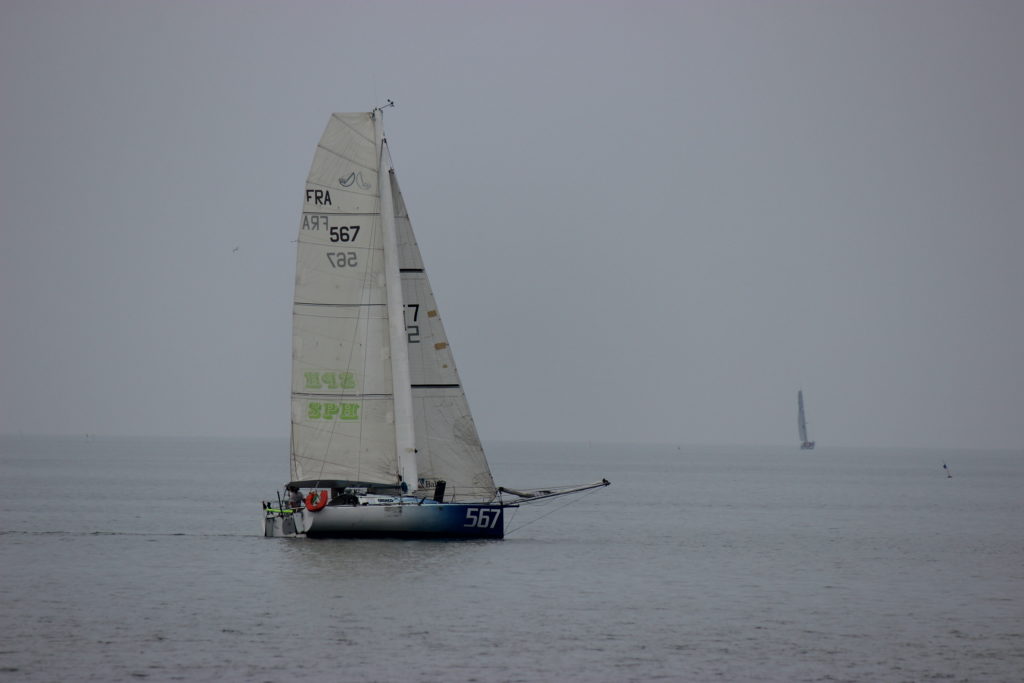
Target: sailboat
[[382, 440], [801, 422]]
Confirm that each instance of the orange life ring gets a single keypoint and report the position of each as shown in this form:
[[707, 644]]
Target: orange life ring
[[316, 500]]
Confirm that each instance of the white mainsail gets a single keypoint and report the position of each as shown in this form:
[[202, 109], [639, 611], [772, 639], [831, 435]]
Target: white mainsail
[[343, 425], [376, 398]]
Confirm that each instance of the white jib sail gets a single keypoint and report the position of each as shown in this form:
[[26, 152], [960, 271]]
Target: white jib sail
[[446, 437], [343, 403]]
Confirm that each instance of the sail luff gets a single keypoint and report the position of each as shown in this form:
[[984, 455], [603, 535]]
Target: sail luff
[[404, 424]]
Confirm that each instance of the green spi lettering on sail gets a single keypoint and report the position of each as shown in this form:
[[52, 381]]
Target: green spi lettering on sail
[[330, 380], [320, 410]]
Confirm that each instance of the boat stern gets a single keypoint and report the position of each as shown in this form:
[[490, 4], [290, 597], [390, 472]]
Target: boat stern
[[280, 522]]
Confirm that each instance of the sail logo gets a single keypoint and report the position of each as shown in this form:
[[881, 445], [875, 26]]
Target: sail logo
[[330, 380], [317, 410], [355, 178]]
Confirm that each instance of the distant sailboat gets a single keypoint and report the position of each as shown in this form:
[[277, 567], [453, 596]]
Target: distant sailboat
[[383, 443], [801, 422]]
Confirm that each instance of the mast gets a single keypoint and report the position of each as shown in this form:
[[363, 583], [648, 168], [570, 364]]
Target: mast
[[405, 441]]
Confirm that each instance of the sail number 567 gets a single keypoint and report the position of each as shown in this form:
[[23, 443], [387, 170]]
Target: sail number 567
[[482, 518], [343, 233], [342, 259]]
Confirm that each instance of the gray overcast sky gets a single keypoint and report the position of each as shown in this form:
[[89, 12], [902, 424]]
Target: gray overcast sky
[[644, 221]]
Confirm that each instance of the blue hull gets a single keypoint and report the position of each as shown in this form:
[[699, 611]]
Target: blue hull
[[446, 520]]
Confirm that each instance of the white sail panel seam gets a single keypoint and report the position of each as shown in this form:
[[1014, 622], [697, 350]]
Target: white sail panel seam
[[352, 128], [336, 213]]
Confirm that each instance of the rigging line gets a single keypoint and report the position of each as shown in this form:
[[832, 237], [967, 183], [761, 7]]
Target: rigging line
[[571, 501], [511, 516], [391, 161]]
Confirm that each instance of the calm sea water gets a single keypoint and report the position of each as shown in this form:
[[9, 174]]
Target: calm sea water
[[136, 559]]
